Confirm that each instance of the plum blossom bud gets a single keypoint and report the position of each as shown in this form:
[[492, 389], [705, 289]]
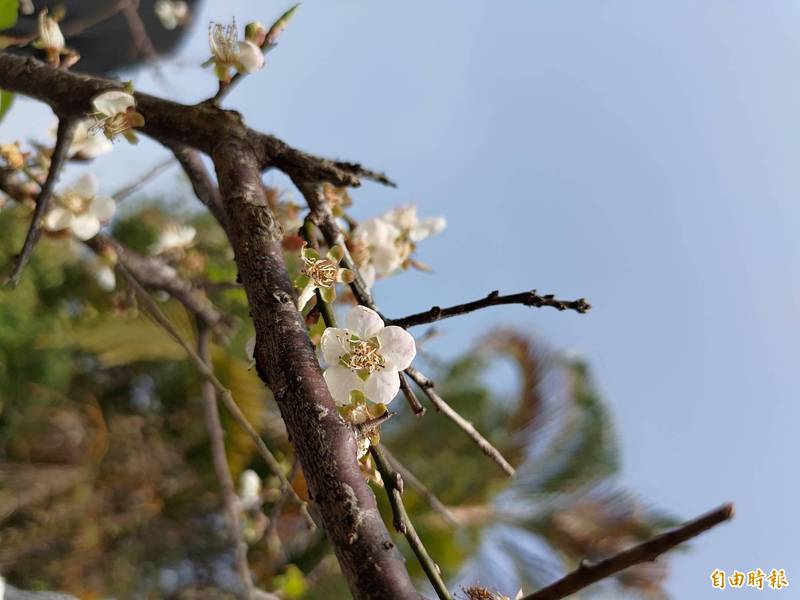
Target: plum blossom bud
[[50, 39], [255, 32]]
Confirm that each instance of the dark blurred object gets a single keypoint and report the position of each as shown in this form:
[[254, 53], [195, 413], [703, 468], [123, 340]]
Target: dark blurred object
[[105, 37]]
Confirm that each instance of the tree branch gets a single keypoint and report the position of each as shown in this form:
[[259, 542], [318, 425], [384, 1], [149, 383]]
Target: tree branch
[[205, 188], [224, 393], [64, 136], [200, 126], [426, 385], [408, 476], [286, 361], [216, 436], [493, 299], [587, 573], [393, 483]]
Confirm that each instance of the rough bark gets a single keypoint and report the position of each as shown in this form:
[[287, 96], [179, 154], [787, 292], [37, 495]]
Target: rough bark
[[286, 361], [285, 358]]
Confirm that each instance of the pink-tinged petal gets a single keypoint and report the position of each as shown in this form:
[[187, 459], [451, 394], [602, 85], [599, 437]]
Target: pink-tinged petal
[[251, 57], [334, 344], [85, 187], [382, 386], [364, 322], [341, 381], [113, 102], [397, 347], [103, 208], [58, 219], [85, 226]]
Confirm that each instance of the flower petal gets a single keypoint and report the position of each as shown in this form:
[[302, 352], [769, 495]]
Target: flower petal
[[251, 58], [397, 347], [364, 322], [382, 386], [57, 219], [333, 344], [305, 296], [341, 381], [103, 208], [386, 259], [85, 226], [85, 187], [427, 228], [113, 102], [367, 273]]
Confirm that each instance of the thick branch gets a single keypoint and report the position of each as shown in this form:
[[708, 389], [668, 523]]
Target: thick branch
[[587, 574], [199, 126], [286, 361], [493, 299]]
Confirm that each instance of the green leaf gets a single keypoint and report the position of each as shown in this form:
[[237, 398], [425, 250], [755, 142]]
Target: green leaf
[[8, 13], [6, 98]]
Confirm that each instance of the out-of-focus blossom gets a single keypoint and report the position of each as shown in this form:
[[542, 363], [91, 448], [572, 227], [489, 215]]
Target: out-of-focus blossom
[[173, 237], [80, 209], [172, 13]]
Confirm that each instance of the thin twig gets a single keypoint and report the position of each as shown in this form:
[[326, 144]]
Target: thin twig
[[393, 483], [587, 574], [410, 396], [224, 393], [204, 186], [143, 179], [493, 299], [426, 385], [408, 476], [217, 438], [64, 136]]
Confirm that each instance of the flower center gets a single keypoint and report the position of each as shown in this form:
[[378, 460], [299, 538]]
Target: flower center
[[224, 43], [322, 271], [364, 356], [116, 124], [74, 203]]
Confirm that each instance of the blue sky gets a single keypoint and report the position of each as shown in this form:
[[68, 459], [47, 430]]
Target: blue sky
[[640, 154]]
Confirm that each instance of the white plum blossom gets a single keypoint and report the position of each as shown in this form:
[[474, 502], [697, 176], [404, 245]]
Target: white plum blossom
[[87, 143], [411, 227], [320, 273], [385, 244], [173, 237], [364, 358], [376, 249], [115, 114], [227, 52], [172, 13], [250, 490], [80, 209]]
